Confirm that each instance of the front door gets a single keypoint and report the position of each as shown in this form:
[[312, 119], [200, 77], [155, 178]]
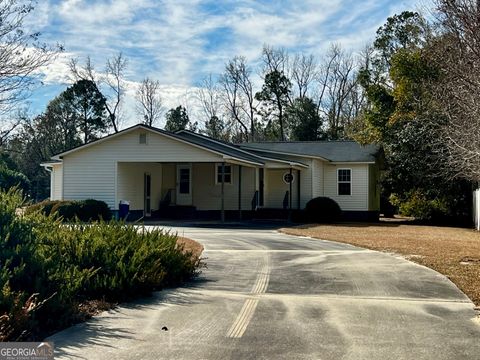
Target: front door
[[147, 194], [184, 184]]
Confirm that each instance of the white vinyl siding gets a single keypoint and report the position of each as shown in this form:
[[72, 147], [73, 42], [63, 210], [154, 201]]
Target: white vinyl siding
[[56, 182], [374, 187], [358, 200], [90, 172], [275, 188], [317, 178], [208, 196], [130, 184]]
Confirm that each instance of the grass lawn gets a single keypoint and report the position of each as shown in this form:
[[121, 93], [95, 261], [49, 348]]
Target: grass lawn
[[454, 252]]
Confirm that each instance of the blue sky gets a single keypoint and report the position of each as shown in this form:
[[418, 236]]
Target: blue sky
[[179, 42]]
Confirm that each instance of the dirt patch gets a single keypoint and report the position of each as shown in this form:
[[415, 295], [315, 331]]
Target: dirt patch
[[454, 252]]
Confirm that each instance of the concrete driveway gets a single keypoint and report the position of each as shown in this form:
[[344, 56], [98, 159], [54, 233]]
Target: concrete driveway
[[267, 295]]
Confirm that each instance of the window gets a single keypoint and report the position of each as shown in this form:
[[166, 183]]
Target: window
[[184, 187], [344, 177], [142, 138], [228, 174]]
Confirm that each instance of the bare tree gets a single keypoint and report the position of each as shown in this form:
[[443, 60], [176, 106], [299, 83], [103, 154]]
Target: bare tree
[[303, 73], [239, 72], [149, 101], [22, 57], [21, 54], [233, 99], [274, 59], [209, 95], [115, 71], [337, 92], [112, 79], [456, 53]]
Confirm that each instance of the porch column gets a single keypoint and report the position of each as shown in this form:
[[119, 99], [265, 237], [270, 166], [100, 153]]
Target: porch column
[[290, 197], [222, 211], [240, 192], [298, 190]]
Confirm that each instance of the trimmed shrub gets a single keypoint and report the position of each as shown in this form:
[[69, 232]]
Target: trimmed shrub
[[85, 210], [91, 209], [67, 210], [47, 268], [419, 206], [323, 210], [10, 178], [44, 206]]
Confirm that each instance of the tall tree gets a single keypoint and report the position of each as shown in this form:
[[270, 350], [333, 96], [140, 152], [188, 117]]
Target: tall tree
[[177, 119], [112, 80], [88, 106], [216, 129], [233, 99], [275, 96], [304, 71], [149, 101], [456, 54], [401, 116], [21, 53], [210, 98], [304, 120], [238, 72]]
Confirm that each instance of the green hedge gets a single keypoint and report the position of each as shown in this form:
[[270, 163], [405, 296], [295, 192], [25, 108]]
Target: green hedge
[[44, 206], [85, 210], [47, 268]]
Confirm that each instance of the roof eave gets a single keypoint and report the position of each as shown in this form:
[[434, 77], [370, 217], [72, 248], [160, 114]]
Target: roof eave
[[351, 162], [285, 153]]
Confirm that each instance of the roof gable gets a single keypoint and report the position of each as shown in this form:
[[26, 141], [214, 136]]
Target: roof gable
[[204, 145]]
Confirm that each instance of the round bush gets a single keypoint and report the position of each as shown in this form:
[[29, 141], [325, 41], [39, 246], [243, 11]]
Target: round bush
[[91, 209], [67, 209], [85, 210], [323, 210]]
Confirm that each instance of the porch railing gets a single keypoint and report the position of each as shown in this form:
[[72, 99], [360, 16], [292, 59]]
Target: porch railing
[[167, 199]]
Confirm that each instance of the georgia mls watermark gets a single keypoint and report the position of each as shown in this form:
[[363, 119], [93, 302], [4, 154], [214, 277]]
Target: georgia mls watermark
[[26, 350]]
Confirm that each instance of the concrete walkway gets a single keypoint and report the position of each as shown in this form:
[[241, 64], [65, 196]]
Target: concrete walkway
[[267, 295]]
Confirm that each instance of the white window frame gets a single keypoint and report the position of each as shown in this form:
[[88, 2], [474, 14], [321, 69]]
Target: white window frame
[[217, 165], [345, 182]]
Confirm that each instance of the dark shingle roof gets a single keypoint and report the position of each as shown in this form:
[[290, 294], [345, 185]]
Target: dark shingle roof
[[336, 151], [340, 151], [219, 146]]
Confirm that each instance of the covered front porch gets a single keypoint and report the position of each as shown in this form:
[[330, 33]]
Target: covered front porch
[[204, 190]]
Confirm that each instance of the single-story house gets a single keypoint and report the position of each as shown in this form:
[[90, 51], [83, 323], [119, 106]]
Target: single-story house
[[159, 172]]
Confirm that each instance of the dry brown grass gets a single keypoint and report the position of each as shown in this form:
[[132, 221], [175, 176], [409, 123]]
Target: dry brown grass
[[453, 252], [191, 246]]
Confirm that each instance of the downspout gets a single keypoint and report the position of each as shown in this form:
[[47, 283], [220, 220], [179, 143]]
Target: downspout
[[222, 211]]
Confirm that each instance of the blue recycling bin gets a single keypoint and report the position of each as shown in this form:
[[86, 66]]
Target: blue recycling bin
[[123, 209]]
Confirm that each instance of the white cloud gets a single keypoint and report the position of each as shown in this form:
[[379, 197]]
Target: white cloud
[[180, 41]]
